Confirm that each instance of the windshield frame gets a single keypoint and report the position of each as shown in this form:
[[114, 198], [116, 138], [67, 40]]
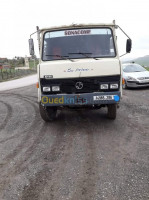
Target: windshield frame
[[77, 28]]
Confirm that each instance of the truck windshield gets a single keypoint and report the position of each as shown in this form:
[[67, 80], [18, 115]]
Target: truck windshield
[[78, 43]]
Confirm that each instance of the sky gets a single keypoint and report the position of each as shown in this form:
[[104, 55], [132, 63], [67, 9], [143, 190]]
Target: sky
[[18, 19]]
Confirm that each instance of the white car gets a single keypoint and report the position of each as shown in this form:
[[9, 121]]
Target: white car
[[134, 76]]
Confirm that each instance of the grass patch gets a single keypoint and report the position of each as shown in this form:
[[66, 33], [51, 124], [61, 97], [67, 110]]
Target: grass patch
[[9, 74], [32, 64]]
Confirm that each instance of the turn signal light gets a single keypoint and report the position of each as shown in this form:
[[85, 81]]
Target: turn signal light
[[123, 81], [37, 85]]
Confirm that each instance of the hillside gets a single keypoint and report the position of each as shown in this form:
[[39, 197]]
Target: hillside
[[144, 61]]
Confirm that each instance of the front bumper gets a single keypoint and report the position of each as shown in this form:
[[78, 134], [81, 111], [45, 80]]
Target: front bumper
[[137, 84], [96, 98]]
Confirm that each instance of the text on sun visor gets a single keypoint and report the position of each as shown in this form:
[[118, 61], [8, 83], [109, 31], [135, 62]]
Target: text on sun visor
[[77, 32]]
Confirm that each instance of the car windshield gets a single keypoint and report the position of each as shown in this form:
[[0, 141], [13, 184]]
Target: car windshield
[[133, 68], [78, 43]]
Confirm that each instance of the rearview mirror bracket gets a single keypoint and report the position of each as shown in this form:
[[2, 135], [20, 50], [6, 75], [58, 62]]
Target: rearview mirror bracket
[[128, 42]]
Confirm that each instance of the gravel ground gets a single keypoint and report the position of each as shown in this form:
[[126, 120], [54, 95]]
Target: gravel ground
[[81, 156]]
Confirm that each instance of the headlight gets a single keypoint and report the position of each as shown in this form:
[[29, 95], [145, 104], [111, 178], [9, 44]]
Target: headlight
[[104, 86], [46, 89], [114, 86], [131, 78], [55, 88]]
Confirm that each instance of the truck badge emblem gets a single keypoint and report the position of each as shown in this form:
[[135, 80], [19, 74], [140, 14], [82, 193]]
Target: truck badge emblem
[[79, 85]]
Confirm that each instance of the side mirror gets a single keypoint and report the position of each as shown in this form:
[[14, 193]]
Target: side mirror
[[31, 47], [128, 45]]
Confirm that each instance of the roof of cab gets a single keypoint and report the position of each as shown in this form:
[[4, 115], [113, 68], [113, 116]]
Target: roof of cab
[[78, 26]]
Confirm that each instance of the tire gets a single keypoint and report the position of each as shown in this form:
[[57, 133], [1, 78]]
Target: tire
[[112, 111], [47, 113]]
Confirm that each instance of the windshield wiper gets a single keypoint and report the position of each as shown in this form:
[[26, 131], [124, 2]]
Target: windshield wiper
[[63, 57], [84, 54]]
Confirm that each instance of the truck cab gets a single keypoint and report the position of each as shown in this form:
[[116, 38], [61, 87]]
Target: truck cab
[[79, 68]]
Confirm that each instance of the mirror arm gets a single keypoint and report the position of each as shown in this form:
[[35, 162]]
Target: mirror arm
[[123, 31], [38, 36], [123, 54], [116, 26], [32, 34]]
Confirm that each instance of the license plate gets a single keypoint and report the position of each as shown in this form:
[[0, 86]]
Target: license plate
[[103, 97]]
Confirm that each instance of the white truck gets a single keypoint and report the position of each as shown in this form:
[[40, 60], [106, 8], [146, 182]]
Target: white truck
[[79, 67]]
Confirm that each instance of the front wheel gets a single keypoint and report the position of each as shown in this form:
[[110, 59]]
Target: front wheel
[[112, 111], [47, 113]]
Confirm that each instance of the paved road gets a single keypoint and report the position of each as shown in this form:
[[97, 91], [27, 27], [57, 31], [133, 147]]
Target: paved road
[[18, 83], [81, 156]]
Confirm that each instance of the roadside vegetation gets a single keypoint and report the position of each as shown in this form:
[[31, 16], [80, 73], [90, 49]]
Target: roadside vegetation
[[15, 68], [12, 73], [33, 64]]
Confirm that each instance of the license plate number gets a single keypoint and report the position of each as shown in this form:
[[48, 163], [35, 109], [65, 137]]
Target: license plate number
[[103, 97]]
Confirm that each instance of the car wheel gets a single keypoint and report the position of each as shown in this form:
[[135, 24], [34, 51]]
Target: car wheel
[[47, 113], [112, 111]]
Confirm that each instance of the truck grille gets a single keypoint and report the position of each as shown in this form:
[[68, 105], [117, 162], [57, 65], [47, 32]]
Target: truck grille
[[91, 84]]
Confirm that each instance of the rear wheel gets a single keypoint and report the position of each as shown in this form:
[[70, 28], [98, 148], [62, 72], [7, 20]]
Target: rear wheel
[[47, 113], [112, 111]]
